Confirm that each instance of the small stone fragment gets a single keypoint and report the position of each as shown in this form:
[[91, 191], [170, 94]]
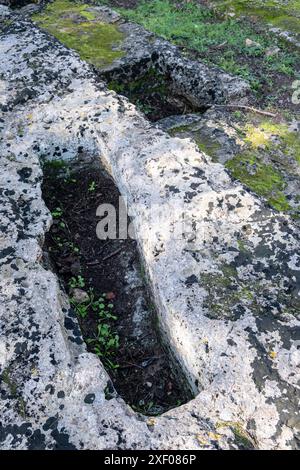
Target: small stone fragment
[[80, 296]]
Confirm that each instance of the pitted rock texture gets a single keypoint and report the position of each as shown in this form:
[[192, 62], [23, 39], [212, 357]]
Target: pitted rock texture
[[227, 291]]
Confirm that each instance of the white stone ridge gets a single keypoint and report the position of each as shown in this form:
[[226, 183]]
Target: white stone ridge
[[53, 391]]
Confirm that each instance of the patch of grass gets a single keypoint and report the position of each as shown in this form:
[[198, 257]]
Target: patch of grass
[[192, 24], [230, 65], [285, 65]]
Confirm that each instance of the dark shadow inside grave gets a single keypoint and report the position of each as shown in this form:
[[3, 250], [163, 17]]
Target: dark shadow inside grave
[[107, 288]]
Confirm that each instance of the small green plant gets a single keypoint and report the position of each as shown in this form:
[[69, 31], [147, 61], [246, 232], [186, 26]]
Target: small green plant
[[58, 241], [102, 310], [80, 308], [105, 343], [145, 108], [238, 115], [73, 247], [97, 306], [70, 180]]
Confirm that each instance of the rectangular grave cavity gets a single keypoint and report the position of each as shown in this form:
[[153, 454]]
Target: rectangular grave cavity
[[107, 289], [153, 73]]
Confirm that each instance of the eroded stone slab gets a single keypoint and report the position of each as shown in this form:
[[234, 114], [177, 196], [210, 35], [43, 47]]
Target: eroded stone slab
[[227, 292]]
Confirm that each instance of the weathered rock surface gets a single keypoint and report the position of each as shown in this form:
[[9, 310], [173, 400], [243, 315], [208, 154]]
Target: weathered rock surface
[[227, 292]]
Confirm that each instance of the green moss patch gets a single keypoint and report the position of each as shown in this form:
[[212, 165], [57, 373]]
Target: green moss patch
[[264, 162], [5, 24], [242, 436], [12, 386], [9, 382], [76, 26], [261, 136], [191, 24], [271, 135]]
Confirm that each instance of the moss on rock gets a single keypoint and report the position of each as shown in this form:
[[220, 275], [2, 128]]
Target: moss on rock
[[261, 178]]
